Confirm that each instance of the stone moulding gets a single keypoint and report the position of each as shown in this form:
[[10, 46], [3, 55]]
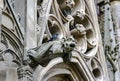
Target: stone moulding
[[57, 20]]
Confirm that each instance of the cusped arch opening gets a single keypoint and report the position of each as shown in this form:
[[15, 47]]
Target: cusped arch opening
[[65, 72]]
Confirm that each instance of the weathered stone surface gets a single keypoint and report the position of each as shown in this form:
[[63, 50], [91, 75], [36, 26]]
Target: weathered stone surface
[[40, 34]]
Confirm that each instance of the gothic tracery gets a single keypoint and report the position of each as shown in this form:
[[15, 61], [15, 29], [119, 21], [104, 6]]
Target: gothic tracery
[[55, 20]]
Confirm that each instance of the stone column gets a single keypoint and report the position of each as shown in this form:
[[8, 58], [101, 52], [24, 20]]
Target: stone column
[[30, 27], [115, 5], [109, 38], [30, 38]]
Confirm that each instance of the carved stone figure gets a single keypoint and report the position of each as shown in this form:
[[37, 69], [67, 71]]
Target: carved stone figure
[[80, 13], [81, 29], [52, 49]]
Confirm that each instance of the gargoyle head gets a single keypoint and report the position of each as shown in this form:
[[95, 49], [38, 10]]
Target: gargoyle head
[[69, 44]]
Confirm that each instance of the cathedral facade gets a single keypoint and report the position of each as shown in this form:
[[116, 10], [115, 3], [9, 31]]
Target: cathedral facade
[[59, 40]]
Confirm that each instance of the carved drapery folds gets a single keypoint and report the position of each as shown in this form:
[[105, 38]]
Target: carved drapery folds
[[67, 42]]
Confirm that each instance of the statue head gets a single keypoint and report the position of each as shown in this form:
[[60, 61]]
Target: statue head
[[81, 13]]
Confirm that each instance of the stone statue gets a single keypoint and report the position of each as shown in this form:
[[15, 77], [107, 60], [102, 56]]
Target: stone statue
[[47, 51]]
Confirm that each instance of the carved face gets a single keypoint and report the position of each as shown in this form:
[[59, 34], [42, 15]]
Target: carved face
[[70, 3], [69, 44], [80, 13]]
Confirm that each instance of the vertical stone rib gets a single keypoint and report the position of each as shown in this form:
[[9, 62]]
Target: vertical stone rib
[[115, 5], [1, 7], [44, 13], [109, 38], [30, 27]]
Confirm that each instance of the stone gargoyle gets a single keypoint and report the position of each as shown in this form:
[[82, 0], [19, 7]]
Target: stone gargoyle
[[47, 51]]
